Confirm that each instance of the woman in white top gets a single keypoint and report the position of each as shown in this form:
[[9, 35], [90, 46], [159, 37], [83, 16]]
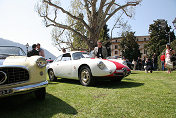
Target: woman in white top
[[168, 63]]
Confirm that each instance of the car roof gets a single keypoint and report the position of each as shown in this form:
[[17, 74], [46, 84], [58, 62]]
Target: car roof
[[71, 52], [10, 46]]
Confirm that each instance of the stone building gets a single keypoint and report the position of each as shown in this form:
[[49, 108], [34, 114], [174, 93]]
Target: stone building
[[115, 47]]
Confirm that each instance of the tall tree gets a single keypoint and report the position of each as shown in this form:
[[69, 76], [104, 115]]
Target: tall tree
[[129, 46], [78, 42], [160, 35], [104, 36], [96, 14]]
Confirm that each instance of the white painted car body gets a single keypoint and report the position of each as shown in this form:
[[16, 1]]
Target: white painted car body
[[20, 74], [69, 67]]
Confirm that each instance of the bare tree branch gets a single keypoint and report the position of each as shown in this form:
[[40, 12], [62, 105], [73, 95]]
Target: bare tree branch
[[68, 13], [119, 8], [87, 7], [55, 24], [95, 21]]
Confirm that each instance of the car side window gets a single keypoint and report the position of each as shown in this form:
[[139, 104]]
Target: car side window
[[58, 58], [77, 56], [66, 57]]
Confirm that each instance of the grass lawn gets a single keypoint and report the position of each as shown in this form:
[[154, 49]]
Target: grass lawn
[[140, 95]]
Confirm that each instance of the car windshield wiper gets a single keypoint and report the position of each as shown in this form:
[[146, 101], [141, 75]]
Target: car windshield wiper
[[9, 54]]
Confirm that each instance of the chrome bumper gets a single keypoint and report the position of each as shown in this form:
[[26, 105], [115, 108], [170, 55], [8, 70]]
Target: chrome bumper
[[22, 89]]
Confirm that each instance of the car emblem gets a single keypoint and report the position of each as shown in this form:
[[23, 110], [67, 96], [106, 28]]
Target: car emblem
[[3, 77]]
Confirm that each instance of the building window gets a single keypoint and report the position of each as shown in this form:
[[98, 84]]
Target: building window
[[116, 46], [145, 51], [116, 41], [116, 52], [144, 39]]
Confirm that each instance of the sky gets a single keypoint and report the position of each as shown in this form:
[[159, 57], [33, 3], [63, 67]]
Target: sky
[[19, 22]]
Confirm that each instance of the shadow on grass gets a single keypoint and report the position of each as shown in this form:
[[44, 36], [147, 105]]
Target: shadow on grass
[[69, 81], [115, 85], [26, 106], [107, 83]]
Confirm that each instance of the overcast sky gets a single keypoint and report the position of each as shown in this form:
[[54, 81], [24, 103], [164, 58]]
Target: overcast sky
[[20, 23]]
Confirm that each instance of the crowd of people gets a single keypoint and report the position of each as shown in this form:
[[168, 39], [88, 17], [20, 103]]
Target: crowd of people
[[167, 58]]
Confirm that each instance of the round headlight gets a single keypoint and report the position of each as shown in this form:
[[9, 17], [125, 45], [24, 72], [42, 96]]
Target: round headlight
[[41, 62], [101, 65]]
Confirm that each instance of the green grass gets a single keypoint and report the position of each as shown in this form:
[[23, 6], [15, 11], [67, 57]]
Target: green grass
[[140, 95]]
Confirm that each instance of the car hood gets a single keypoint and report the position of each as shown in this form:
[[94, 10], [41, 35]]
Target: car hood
[[118, 64], [18, 60]]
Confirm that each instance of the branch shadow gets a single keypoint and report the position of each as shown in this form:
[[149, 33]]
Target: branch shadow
[[26, 106]]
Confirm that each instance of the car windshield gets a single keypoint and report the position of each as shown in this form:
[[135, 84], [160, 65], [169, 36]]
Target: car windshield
[[77, 55], [10, 50]]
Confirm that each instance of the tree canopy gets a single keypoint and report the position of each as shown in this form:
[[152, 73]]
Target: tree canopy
[[129, 46], [96, 14], [160, 35]]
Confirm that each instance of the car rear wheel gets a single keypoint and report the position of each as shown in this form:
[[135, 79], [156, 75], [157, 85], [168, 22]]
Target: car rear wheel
[[85, 76], [40, 93], [52, 77]]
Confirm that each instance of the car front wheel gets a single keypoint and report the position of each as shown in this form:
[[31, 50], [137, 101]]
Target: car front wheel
[[52, 77], [85, 76]]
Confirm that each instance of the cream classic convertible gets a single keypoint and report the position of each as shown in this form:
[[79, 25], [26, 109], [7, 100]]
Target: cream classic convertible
[[21, 74], [74, 65]]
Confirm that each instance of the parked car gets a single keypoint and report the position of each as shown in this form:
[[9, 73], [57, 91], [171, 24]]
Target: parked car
[[121, 60], [118, 59], [20, 74], [74, 65]]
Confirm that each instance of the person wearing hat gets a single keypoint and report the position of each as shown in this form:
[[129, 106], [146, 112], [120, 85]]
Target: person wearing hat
[[168, 63]]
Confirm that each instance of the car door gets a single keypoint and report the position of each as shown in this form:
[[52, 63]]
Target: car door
[[64, 66], [55, 66]]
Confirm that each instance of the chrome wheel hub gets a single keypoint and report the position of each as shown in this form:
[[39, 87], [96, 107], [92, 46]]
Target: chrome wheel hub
[[85, 77]]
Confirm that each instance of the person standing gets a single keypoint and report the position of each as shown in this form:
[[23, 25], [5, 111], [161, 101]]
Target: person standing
[[100, 51], [40, 50], [148, 65], [139, 63], [33, 51], [169, 64], [134, 63], [154, 61], [162, 58]]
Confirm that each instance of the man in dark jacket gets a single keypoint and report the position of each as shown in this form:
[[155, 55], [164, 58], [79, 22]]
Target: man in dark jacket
[[148, 65], [100, 51], [33, 51]]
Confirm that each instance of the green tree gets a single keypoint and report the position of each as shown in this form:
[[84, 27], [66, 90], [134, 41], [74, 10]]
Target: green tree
[[159, 37], [104, 36], [129, 46]]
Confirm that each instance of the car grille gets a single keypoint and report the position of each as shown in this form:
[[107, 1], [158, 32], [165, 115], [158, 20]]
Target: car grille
[[14, 75]]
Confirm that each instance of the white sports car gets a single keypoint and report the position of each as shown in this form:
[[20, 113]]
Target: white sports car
[[74, 65], [21, 74]]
